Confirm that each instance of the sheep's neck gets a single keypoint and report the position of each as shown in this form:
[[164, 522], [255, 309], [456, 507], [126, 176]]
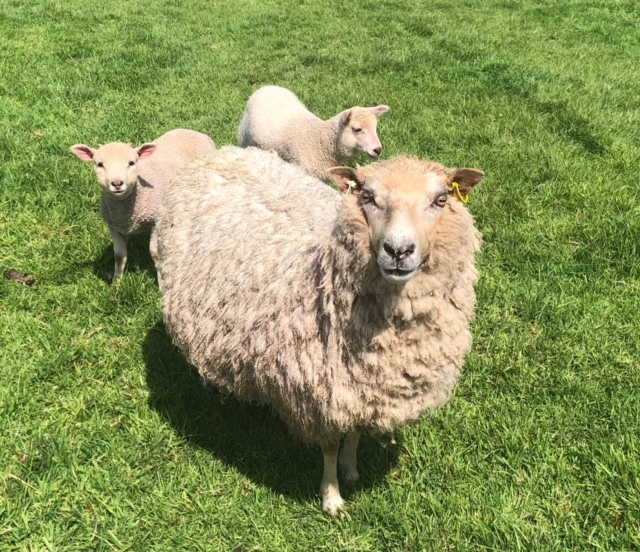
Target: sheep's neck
[[331, 139]]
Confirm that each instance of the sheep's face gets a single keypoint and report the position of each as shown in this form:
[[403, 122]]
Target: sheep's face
[[359, 125], [403, 201], [115, 165]]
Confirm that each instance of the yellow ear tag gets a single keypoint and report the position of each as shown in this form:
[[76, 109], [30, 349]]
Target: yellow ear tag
[[456, 190], [352, 186]]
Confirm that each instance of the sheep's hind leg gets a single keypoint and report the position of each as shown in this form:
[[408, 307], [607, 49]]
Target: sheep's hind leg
[[348, 458], [120, 251], [332, 502]]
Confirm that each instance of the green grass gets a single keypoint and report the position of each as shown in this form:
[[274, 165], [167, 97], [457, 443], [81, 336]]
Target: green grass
[[107, 441]]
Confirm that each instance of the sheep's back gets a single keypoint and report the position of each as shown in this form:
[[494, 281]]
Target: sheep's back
[[236, 234]]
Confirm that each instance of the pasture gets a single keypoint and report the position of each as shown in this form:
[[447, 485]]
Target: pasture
[[107, 440]]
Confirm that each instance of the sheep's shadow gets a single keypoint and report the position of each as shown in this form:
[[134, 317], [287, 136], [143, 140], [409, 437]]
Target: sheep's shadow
[[138, 258], [250, 438]]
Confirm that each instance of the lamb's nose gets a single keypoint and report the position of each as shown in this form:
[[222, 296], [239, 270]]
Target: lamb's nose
[[117, 183], [399, 252], [377, 151]]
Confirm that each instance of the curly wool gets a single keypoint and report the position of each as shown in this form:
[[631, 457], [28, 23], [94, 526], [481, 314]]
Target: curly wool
[[270, 288]]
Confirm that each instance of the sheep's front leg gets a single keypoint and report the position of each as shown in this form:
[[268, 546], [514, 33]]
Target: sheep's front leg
[[120, 251], [329, 490], [348, 459]]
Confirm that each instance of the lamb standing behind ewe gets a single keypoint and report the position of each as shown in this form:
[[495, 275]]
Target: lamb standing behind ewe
[[132, 183], [275, 119], [344, 312]]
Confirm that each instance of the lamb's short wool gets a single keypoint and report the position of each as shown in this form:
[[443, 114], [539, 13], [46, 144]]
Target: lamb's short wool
[[346, 312], [133, 179], [275, 119]]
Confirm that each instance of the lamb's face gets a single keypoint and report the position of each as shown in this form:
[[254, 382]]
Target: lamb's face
[[403, 202], [115, 165], [360, 130]]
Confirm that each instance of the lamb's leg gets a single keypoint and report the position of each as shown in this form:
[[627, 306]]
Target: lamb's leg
[[329, 490], [153, 246], [348, 457], [120, 251]]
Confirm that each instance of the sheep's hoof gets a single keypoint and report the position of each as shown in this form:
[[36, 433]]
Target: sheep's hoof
[[333, 505]]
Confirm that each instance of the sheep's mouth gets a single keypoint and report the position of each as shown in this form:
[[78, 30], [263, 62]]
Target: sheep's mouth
[[397, 275], [118, 192]]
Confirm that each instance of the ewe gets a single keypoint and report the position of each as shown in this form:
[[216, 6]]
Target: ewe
[[132, 184], [275, 119], [346, 312]]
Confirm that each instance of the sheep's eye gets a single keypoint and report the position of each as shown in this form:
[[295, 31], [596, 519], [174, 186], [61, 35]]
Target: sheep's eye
[[367, 197], [441, 200], [132, 163], [99, 165], [357, 130]]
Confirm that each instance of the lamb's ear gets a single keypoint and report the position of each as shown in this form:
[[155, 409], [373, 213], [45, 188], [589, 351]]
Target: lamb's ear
[[379, 110], [345, 117], [466, 179], [83, 152], [145, 150], [346, 178]]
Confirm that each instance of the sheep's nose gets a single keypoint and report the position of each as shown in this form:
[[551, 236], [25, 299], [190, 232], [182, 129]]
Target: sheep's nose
[[377, 151], [399, 252], [117, 183]]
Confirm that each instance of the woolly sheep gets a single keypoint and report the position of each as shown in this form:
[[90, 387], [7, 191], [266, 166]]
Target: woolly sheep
[[132, 183], [275, 119], [346, 312]]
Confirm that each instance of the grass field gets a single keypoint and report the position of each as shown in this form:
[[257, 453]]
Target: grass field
[[107, 441]]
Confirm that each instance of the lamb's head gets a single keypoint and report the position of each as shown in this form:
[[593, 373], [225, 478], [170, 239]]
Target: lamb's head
[[403, 201], [115, 165], [358, 130]]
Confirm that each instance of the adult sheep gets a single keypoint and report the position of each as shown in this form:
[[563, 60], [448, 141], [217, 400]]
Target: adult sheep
[[275, 119], [346, 312]]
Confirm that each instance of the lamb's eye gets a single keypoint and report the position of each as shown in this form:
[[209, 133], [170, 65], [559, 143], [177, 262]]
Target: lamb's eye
[[99, 165], [441, 200], [357, 130], [132, 163]]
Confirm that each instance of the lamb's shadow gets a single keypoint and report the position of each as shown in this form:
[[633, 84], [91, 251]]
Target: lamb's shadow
[[248, 437], [138, 258]]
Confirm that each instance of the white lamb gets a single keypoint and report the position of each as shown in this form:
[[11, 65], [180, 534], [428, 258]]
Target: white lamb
[[275, 119], [132, 183], [346, 312]]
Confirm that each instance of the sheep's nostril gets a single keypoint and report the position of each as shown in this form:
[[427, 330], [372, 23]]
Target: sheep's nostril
[[377, 151], [118, 183], [389, 249]]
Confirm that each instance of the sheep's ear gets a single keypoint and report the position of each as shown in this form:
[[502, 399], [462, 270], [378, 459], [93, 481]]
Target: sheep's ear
[[145, 150], [345, 117], [379, 110], [467, 179], [346, 178], [83, 152]]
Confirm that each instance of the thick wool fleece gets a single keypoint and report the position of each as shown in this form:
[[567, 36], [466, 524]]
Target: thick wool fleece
[[270, 288], [275, 119], [136, 213]]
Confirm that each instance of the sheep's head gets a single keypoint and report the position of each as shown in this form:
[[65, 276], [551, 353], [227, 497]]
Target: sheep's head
[[358, 130], [403, 201], [115, 165]]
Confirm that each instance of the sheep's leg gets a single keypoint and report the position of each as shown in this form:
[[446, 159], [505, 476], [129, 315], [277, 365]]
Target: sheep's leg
[[120, 251], [153, 246], [329, 489], [348, 457]]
